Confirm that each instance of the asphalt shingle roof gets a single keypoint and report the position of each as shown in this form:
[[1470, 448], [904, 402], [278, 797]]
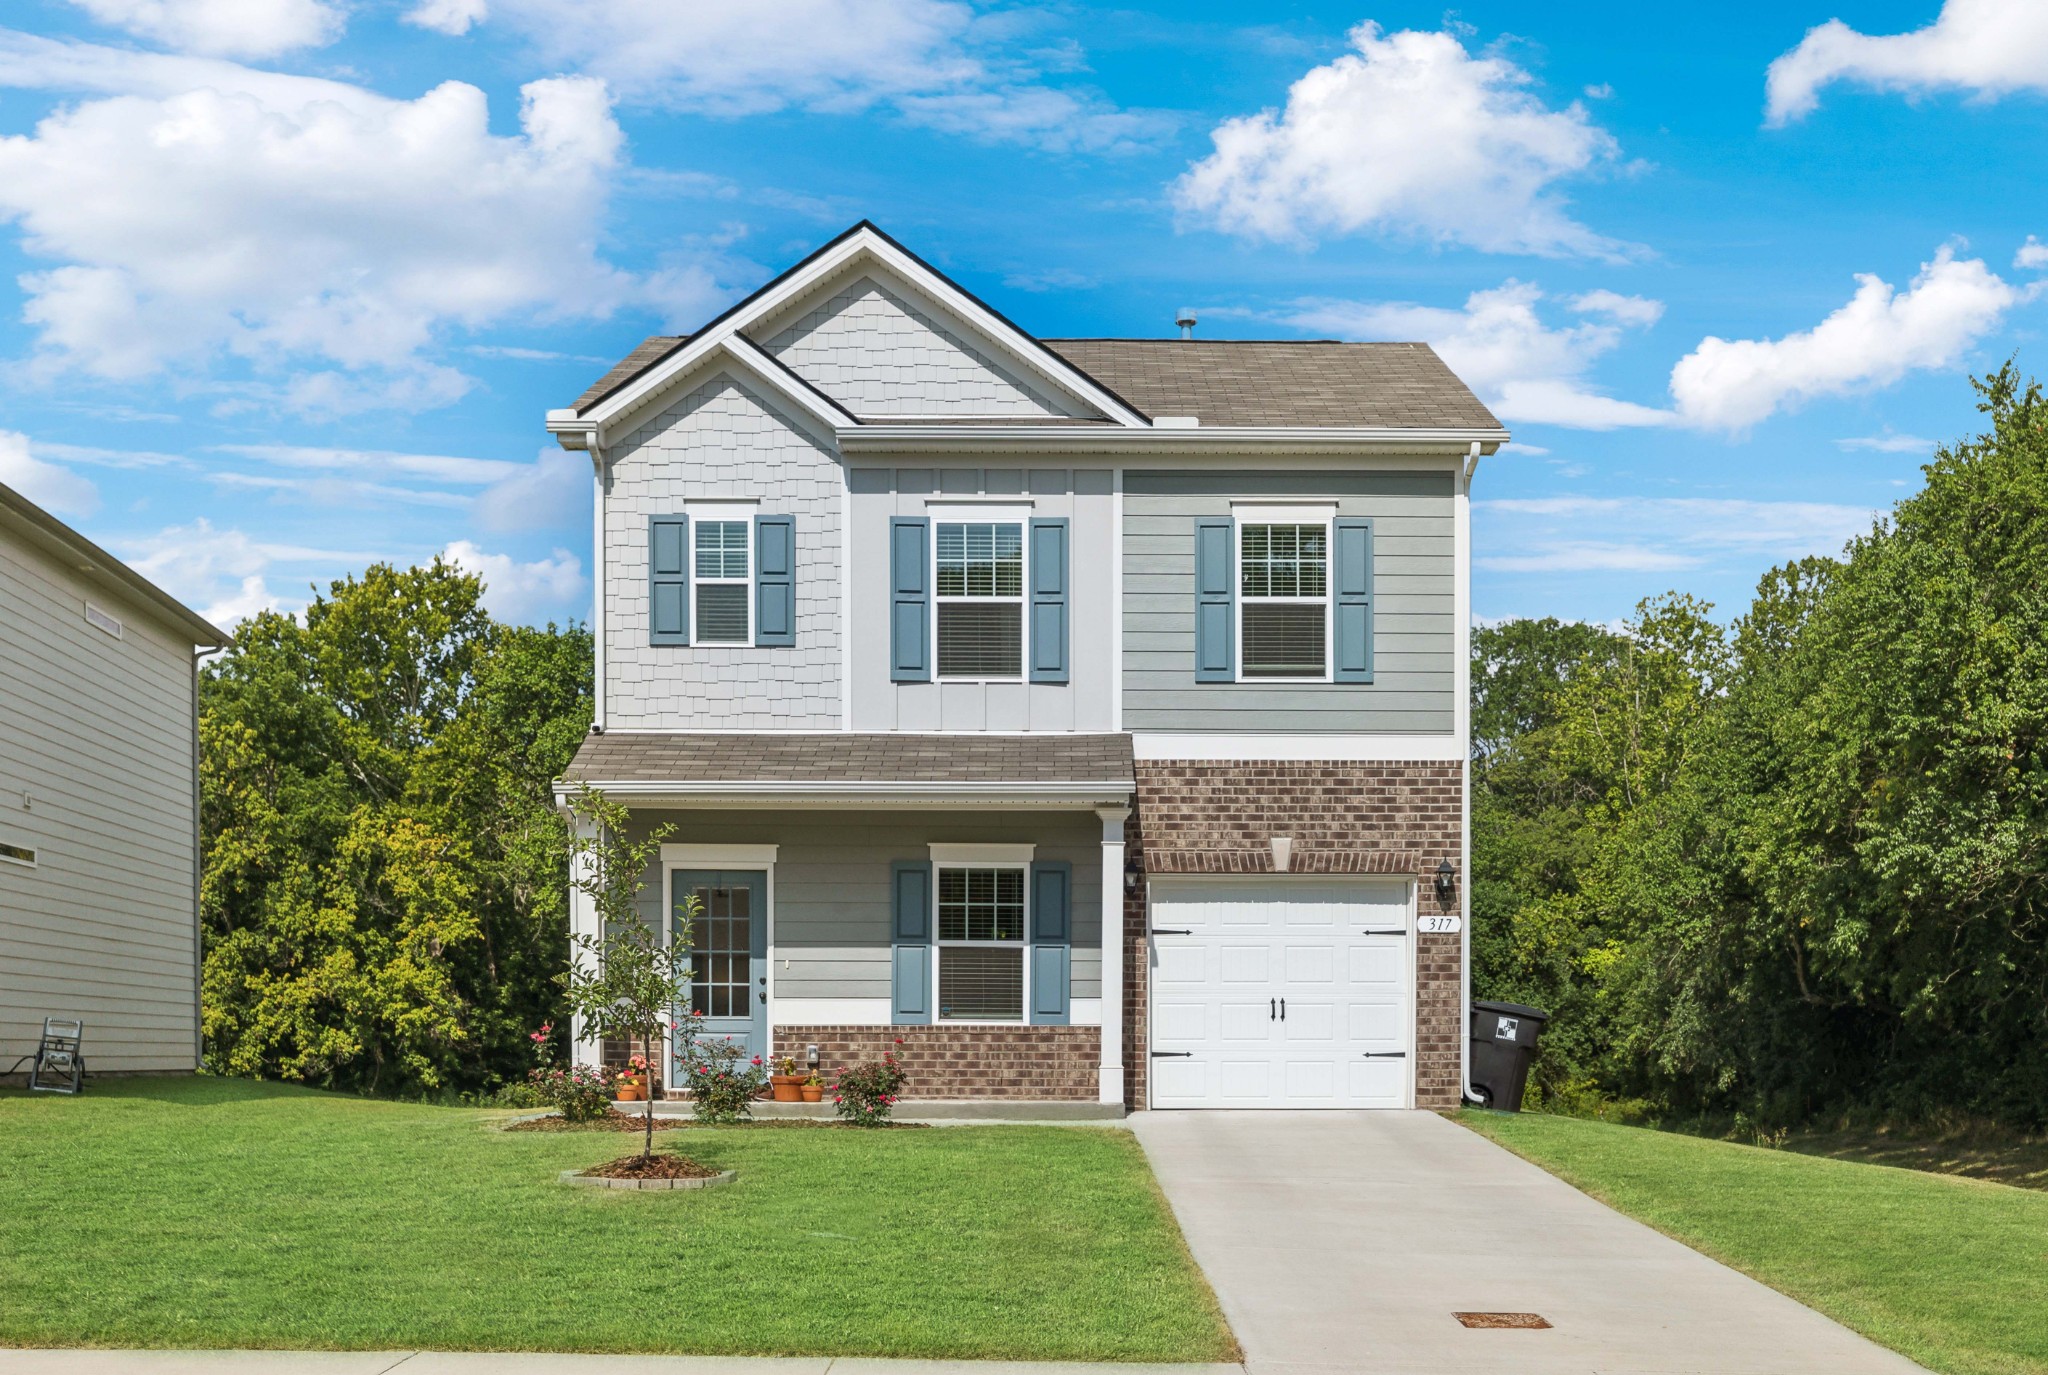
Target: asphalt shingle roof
[[853, 758], [1282, 382], [1229, 381]]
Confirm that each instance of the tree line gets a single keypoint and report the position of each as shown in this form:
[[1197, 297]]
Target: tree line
[[1797, 865]]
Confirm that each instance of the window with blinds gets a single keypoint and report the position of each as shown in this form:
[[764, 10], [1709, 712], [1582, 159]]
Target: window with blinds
[[722, 572], [981, 944], [979, 587], [1283, 600]]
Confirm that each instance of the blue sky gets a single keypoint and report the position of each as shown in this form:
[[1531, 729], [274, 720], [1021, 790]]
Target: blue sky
[[289, 283]]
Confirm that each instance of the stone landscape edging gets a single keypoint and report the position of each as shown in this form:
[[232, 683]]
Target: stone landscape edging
[[589, 1181]]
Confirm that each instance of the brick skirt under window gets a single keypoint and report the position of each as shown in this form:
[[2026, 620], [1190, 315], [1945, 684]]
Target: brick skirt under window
[[1033, 1063]]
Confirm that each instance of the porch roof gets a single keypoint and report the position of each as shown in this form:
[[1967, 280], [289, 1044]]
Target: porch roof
[[854, 767]]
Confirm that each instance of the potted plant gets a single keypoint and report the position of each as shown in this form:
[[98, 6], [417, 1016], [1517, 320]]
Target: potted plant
[[813, 1089], [634, 1080], [786, 1082]]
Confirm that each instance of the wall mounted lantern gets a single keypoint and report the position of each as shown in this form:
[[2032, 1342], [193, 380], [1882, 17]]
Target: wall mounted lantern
[[1446, 881]]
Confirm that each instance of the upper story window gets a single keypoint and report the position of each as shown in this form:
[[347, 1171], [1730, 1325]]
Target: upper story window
[[980, 593], [1284, 600], [724, 576], [981, 944]]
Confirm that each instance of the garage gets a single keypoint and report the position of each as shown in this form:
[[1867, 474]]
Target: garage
[[1281, 992]]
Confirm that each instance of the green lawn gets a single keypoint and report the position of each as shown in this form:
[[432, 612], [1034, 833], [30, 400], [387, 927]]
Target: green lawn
[[226, 1213], [1951, 1272]]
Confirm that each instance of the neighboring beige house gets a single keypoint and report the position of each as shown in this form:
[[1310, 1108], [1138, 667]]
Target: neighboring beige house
[[99, 818]]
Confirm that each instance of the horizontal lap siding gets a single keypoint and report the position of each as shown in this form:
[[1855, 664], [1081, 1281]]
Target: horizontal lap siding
[[832, 904], [1414, 607], [99, 736]]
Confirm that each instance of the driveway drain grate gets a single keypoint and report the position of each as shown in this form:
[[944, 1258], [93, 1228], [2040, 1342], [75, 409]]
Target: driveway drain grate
[[1502, 1319]]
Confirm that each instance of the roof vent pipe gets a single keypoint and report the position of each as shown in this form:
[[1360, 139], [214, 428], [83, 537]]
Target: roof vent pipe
[[1185, 318]]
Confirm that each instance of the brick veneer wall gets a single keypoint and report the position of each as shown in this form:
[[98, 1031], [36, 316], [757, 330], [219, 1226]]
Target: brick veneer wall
[[1028, 1062], [1219, 817]]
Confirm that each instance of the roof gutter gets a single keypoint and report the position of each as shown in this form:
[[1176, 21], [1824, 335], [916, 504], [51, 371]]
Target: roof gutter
[[779, 793], [1142, 439]]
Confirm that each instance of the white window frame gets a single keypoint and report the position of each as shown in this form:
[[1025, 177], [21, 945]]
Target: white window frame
[[739, 512], [1019, 516], [1022, 945], [33, 859], [1250, 513]]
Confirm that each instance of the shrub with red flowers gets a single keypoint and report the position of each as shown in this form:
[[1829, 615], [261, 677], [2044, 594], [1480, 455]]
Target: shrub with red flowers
[[722, 1082], [866, 1092], [582, 1094]]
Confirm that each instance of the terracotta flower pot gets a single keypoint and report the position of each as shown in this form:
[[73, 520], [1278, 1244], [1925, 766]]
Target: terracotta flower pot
[[814, 1093], [629, 1093], [788, 1087]]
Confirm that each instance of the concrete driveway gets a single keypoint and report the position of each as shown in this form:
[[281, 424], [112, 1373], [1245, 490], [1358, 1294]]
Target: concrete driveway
[[1345, 1241]]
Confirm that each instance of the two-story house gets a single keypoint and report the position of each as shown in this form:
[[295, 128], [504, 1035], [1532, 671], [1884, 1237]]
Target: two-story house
[[1082, 719]]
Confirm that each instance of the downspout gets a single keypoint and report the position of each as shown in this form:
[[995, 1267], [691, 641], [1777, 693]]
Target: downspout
[[597, 585], [198, 917], [1465, 804]]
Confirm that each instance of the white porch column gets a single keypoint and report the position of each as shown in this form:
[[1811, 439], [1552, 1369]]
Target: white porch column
[[584, 1049], [1111, 1078]]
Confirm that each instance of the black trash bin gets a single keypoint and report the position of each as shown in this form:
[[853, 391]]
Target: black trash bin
[[1503, 1043]]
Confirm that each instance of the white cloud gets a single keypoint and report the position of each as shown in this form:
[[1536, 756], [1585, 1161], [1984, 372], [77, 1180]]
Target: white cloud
[[1988, 47], [46, 484], [452, 17], [212, 212], [550, 492], [447, 468], [224, 28], [935, 62], [1498, 343], [1888, 443], [226, 574], [1574, 534], [1413, 137], [2033, 254], [522, 592], [1876, 339]]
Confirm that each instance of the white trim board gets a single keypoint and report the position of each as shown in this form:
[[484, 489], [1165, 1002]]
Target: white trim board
[[1420, 749], [801, 1012], [719, 856]]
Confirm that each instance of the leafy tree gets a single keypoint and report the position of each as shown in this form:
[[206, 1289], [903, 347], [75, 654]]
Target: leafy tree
[[384, 889], [624, 982]]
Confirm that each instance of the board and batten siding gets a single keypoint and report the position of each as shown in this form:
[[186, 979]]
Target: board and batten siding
[[1083, 497], [832, 915], [722, 438], [96, 776], [1414, 601]]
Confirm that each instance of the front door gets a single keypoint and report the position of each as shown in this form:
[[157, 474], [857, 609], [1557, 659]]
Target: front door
[[729, 951]]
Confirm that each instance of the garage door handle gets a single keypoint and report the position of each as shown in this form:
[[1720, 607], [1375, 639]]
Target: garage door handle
[[1386, 931], [1169, 931], [1173, 1055], [1386, 1055]]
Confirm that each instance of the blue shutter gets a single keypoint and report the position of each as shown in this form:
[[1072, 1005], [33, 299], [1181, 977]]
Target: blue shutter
[[668, 580], [1052, 926], [1351, 600], [1049, 600], [910, 889], [910, 599], [775, 580], [1215, 600]]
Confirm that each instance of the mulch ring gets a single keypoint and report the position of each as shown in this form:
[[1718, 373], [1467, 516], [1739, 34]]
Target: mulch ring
[[616, 1121], [660, 1165]]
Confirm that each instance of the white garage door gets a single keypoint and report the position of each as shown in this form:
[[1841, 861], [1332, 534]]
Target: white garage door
[[1280, 993]]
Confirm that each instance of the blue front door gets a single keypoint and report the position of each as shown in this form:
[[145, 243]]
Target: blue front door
[[729, 951]]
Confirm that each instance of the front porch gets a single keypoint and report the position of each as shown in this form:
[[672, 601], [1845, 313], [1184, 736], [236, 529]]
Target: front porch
[[935, 898]]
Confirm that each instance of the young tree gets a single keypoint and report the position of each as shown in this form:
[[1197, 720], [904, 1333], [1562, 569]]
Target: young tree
[[624, 981]]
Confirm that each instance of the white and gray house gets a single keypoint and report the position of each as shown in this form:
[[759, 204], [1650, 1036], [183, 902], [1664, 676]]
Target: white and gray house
[[1082, 720], [99, 801]]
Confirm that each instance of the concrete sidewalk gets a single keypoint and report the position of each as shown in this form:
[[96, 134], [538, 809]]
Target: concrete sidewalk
[[531, 1363], [1346, 1241]]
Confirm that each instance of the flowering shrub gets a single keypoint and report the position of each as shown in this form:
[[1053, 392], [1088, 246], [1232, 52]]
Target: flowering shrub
[[582, 1094], [543, 1045], [721, 1088], [866, 1092]]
